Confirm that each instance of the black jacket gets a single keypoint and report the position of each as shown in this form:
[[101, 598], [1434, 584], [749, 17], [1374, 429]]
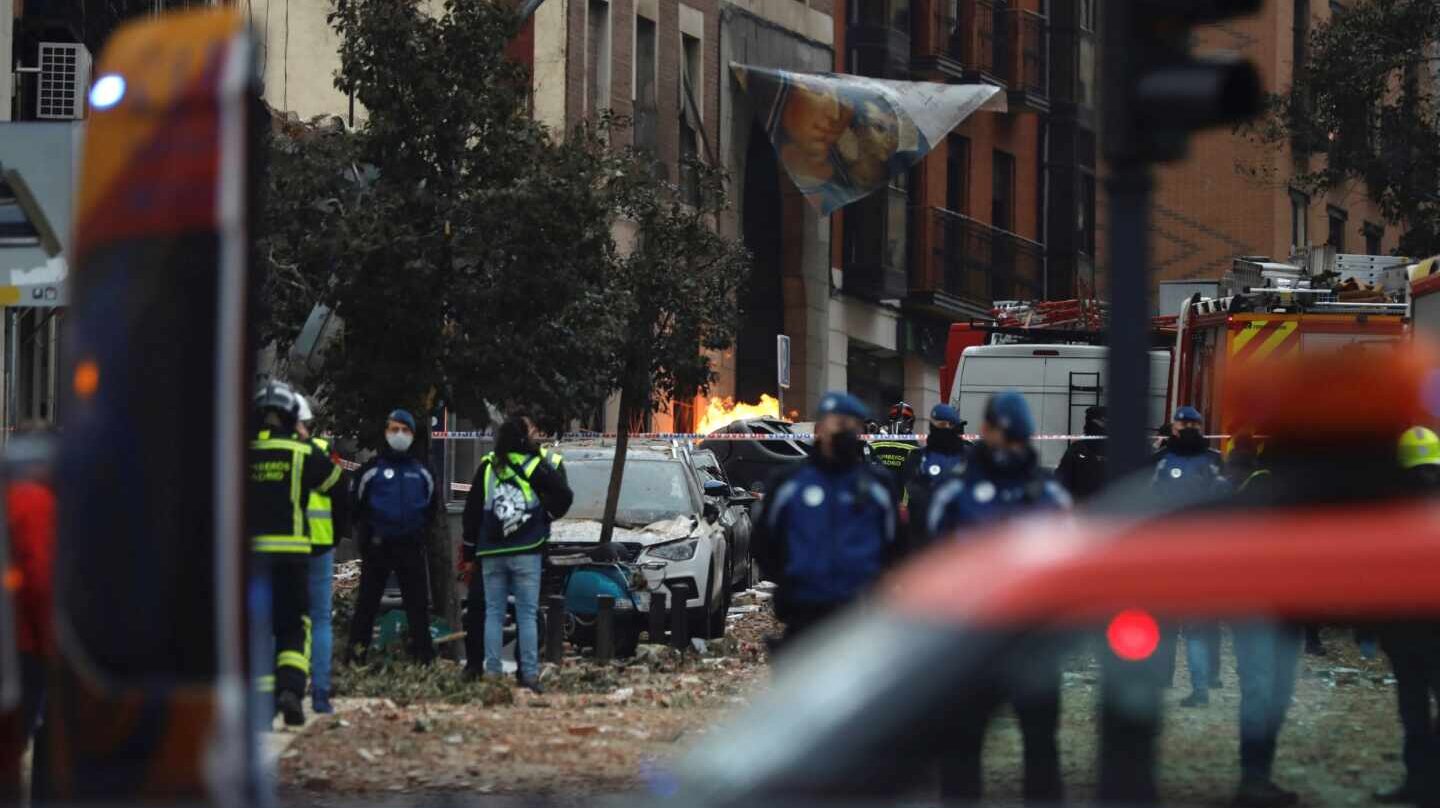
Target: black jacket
[[480, 527], [1083, 468]]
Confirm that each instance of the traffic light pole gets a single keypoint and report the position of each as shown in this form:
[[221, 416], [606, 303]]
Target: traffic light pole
[[1130, 691], [1128, 398]]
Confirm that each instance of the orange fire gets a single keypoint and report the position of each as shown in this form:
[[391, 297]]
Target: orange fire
[[719, 412]]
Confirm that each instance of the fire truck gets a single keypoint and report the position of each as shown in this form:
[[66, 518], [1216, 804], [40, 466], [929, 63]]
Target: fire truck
[[1351, 307], [1270, 312]]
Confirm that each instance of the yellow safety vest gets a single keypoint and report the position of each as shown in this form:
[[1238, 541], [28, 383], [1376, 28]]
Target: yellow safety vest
[[317, 511]]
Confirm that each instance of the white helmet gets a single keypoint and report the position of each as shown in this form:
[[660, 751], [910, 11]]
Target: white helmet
[[306, 414]]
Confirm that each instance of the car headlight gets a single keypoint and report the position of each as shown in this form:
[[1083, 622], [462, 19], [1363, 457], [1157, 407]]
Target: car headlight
[[682, 550]]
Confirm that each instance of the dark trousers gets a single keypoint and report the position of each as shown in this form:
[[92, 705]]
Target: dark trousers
[[289, 621], [1034, 691], [406, 558], [1202, 654], [802, 618], [1414, 653]]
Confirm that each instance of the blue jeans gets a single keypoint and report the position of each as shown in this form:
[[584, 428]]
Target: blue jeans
[[322, 577], [517, 575], [1266, 655], [1202, 639]]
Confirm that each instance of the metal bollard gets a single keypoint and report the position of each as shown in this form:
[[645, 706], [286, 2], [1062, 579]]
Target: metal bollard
[[679, 620], [605, 629], [657, 617], [555, 628]]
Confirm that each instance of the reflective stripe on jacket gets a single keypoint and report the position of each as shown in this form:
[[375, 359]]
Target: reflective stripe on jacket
[[318, 515], [284, 471]]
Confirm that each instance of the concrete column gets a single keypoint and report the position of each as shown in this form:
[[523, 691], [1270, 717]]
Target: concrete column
[[922, 389]]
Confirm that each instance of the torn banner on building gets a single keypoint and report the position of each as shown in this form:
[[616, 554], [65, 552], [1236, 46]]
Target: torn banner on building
[[843, 137]]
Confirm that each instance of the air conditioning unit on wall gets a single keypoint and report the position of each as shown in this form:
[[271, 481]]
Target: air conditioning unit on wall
[[62, 81]]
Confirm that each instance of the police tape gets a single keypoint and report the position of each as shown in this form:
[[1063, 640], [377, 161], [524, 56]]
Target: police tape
[[750, 436]]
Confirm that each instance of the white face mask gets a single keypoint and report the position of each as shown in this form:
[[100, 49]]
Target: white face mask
[[399, 441]]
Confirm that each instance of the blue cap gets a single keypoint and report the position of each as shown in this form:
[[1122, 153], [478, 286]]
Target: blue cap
[[404, 417], [1009, 412], [836, 403], [1188, 413], [945, 412]]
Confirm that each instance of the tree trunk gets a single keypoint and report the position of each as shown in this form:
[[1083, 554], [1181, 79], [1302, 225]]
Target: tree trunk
[[617, 469], [440, 550]]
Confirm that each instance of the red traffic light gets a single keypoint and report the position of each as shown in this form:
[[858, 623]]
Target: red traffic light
[[1133, 635]]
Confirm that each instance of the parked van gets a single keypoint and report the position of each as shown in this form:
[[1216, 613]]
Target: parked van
[[1058, 381]]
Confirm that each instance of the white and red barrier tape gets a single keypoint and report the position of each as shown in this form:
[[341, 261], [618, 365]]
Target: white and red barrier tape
[[742, 436]]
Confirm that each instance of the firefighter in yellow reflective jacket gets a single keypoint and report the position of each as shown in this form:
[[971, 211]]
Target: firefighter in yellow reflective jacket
[[284, 470], [326, 518]]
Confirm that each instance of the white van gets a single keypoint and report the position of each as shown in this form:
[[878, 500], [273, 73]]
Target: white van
[[1058, 381]]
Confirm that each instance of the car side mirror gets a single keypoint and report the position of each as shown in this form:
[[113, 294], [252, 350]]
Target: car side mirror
[[716, 488], [712, 511]]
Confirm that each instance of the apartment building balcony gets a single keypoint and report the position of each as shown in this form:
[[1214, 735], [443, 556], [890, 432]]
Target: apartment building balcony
[[1027, 72], [987, 41], [878, 39], [972, 264], [958, 40]]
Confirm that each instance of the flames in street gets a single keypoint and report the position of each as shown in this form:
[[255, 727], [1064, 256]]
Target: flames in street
[[718, 412]]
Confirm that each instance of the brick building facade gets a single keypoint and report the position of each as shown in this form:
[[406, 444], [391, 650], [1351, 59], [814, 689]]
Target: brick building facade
[[1233, 196]]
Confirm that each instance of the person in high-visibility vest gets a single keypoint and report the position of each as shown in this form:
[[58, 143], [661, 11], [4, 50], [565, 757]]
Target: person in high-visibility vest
[[284, 470], [516, 493], [1414, 651], [325, 519]]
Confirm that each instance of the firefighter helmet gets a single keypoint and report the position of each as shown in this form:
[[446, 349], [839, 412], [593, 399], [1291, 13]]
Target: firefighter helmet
[[277, 397], [1419, 447]]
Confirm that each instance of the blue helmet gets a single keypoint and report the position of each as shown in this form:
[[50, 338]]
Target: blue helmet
[[945, 412], [404, 417], [1009, 412], [838, 403], [1188, 413]]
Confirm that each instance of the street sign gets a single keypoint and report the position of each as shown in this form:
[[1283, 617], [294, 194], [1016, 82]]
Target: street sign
[[782, 360]]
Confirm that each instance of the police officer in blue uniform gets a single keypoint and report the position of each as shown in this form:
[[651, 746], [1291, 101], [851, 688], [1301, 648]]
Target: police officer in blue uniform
[[827, 529], [396, 501], [945, 450], [1003, 479], [1188, 471]]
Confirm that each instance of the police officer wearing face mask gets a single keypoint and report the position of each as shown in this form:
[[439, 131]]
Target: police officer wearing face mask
[[1002, 479], [945, 450], [827, 528], [395, 502]]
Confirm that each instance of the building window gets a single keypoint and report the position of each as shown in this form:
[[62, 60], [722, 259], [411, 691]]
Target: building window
[[693, 57], [1336, 238], [1002, 204], [690, 117], [597, 52], [1086, 223], [1301, 29], [957, 175], [1374, 238], [881, 14], [647, 120], [1299, 221]]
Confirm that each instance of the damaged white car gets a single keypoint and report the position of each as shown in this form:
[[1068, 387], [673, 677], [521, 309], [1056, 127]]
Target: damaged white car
[[663, 523]]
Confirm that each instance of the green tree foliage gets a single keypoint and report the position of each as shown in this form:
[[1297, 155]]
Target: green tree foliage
[[1364, 101], [678, 285], [466, 250]]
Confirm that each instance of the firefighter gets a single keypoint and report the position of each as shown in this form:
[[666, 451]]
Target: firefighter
[[1003, 479], [945, 449], [326, 518], [1082, 470], [284, 471], [893, 453], [1414, 651], [827, 528], [1188, 471]]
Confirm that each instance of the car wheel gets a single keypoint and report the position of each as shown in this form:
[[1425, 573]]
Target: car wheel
[[749, 578]]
